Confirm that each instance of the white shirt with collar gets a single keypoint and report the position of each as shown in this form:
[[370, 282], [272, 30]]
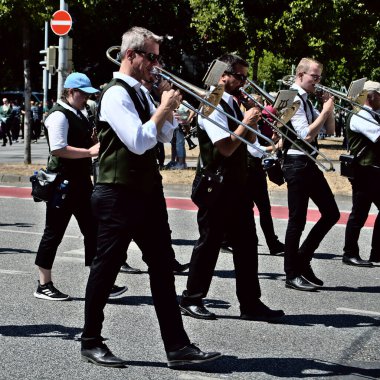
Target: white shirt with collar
[[58, 127], [118, 110], [302, 118], [214, 132], [365, 127]]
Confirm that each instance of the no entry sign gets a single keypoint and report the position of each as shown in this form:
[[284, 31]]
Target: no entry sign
[[61, 23]]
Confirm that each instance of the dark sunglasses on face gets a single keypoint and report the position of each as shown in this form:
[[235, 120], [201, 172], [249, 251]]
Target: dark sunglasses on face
[[151, 57], [238, 76]]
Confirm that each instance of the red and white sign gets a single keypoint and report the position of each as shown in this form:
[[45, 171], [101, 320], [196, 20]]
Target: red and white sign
[[61, 23]]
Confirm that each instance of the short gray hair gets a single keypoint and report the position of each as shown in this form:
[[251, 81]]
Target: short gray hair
[[135, 38]]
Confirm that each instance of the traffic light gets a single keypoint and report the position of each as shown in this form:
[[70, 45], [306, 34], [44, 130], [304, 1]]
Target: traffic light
[[49, 61]]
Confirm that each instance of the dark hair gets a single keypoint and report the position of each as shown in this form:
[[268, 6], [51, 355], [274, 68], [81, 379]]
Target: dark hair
[[232, 60]]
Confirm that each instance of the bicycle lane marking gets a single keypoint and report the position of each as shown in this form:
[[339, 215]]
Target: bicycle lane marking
[[186, 204]]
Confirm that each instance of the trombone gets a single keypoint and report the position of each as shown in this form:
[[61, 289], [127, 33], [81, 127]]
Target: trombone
[[288, 80], [209, 101], [285, 115]]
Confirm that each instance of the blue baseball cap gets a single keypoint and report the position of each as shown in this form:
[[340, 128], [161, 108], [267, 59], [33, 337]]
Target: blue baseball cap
[[81, 82]]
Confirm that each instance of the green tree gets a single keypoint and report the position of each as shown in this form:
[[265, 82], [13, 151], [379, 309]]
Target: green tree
[[26, 13]]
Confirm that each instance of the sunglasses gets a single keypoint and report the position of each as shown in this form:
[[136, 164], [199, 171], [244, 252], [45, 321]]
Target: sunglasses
[[240, 77], [314, 76], [151, 57]]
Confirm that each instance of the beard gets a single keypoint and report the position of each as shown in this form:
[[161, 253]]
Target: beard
[[236, 92]]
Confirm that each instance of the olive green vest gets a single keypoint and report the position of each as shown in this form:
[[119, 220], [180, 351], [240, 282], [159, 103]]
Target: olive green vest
[[117, 164], [368, 153], [78, 136], [234, 166]]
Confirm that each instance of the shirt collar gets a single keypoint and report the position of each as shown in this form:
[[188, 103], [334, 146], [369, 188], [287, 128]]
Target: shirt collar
[[67, 106], [300, 90], [127, 79], [228, 98]]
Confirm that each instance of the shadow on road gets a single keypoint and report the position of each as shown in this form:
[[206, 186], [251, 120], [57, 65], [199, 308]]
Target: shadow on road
[[40, 331]]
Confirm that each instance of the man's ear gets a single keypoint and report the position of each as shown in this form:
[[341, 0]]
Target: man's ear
[[130, 54]]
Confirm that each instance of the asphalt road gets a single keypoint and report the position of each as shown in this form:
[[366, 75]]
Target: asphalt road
[[330, 334]]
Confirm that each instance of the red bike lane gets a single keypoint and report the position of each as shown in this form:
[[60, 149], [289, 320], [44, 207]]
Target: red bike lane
[[278, 212]]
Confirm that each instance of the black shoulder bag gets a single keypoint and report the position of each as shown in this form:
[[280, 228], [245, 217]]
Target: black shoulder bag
[[207, 186]]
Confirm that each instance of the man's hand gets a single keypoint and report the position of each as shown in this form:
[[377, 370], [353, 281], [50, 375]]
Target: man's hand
[[328, 104], [252, 116], [171, 99]]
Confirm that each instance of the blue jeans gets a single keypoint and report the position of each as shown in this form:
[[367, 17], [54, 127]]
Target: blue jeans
[[305, 181], [180, 143]]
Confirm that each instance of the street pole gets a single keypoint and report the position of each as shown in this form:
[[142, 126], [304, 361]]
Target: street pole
[[62, 56], [45, 77]]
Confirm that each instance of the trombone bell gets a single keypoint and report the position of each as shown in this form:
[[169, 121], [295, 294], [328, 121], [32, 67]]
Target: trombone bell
[[213, 98]]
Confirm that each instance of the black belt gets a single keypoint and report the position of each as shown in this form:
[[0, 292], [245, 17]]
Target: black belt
[[298, 158]]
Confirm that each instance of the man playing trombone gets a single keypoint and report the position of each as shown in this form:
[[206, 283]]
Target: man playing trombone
[[305, 181], [129, 203], [232, 213], [363, 135]]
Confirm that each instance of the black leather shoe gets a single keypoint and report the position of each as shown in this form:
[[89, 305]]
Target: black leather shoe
[[356, 261], [277, 248], [101, 355], [262, 313], [180, 268], [125, 268], [299, 283], [309, 276], [190, 354], [195, 311]]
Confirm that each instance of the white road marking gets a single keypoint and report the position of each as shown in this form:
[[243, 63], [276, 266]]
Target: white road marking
[[359, 311], [9, 271]]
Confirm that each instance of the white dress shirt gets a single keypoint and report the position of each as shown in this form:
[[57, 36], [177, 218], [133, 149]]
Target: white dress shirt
[[214, 132], [302, 118], [58, 127], [365, 127], [118, 110]]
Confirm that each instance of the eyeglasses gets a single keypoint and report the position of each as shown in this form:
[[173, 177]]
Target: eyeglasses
[[315, 77], [151, 57], [238, 76]]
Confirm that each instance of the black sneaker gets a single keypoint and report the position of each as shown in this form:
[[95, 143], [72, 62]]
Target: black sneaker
[[190, 354], [117, 291], [49, 292], [309, 276]]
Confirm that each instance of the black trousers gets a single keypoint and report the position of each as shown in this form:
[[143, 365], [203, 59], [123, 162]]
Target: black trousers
[[305, 181], [77, 203], [123, 215], [365, 191], [258, 193], [232, 216]]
